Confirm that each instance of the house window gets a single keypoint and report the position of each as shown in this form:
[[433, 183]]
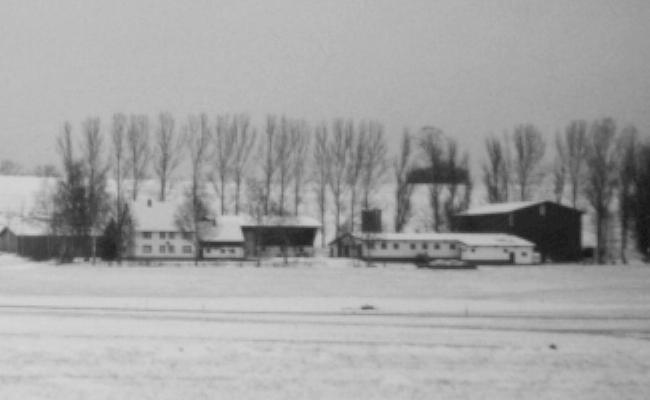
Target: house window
[[146, 249], [396, 246], [511, 220], [524, 254], [232, 251], [171, 249], [452, 246], [542, 209], [223, 251], [187, 249], [383, 245], [162, 249], [412, 246], [162, 235], [436, 246], [146, 235], [170, 235], [371, 245], [425, 246]]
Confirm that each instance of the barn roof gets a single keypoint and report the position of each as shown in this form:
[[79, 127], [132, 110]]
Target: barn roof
[[299, 221], [469, 239]]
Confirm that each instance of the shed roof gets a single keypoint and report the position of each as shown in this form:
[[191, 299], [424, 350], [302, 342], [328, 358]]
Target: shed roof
[[299, 221], [469, 239], [227, 229], [499, 208]]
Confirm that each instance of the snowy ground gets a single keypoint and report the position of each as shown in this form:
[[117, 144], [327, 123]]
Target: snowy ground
[[237, 331]]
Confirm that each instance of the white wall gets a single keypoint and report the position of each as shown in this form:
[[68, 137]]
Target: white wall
[[223, 252], [176, 244], [408, 249], [523, 255]]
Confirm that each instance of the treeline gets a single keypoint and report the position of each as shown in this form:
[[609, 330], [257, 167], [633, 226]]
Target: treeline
[[270, 170], [596, 163]]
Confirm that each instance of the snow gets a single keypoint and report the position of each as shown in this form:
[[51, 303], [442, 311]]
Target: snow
[[469, 239], [499, 208], [232, 330]]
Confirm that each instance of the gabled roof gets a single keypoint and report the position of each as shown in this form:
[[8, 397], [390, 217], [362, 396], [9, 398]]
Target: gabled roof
[[226, 229], [27, 227], [156, 216]]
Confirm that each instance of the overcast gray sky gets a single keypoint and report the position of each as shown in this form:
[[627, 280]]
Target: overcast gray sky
[[468, 67]]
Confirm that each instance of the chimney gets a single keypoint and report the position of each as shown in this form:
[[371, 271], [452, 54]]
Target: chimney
[[371, 220]]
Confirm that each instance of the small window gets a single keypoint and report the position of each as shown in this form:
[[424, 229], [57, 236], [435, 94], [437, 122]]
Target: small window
[[171, 235], [162, 235], [146, 235], [436, 246], [383, 245], [371, 245], [542, 209], [452, 246], [146, 249], [412, 246], [524, 254], [162, 249], [232, 251], [473, 250], [396, 246], [171, 249], [511, 220], [187, 249], [425, 246], [223, 251]]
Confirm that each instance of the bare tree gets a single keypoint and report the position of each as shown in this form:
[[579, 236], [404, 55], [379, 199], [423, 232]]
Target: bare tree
[[496, 172], [401, 167], [46, 171], [601, 179], [458, 177], [269, 166], [432, 142], [559, 168], [166, 154], [628, 159], [355, 165], [575, 138], [375, 164], [137, 142], [118, 133], [529, 148], [198, 136], [224, 146], [321, 173], [96, 169], [282, 153], [244, 143], [338, 156], [300, 141]]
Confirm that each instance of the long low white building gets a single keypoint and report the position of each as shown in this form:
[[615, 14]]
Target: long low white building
[[483, 248]]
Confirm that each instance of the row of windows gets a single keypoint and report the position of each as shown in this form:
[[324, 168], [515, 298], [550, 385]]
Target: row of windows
[[147, 249], [167, 235], [222, 250], [412, 246]]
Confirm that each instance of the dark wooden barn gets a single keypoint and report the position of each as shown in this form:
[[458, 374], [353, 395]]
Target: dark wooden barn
[[280, 236], [554, 228]]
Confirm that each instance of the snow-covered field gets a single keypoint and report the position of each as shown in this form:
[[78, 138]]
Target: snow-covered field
[[322, 329]]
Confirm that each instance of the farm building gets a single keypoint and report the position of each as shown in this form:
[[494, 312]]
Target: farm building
[[33, 238], [555, 229], [274, 236], [471, 247], [223, 239], [157, 237]]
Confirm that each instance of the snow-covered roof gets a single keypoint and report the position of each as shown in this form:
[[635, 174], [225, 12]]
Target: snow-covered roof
[[469, 239], [226, 229], [27, 227], [155, 216], [300, 221], [499, 208]]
